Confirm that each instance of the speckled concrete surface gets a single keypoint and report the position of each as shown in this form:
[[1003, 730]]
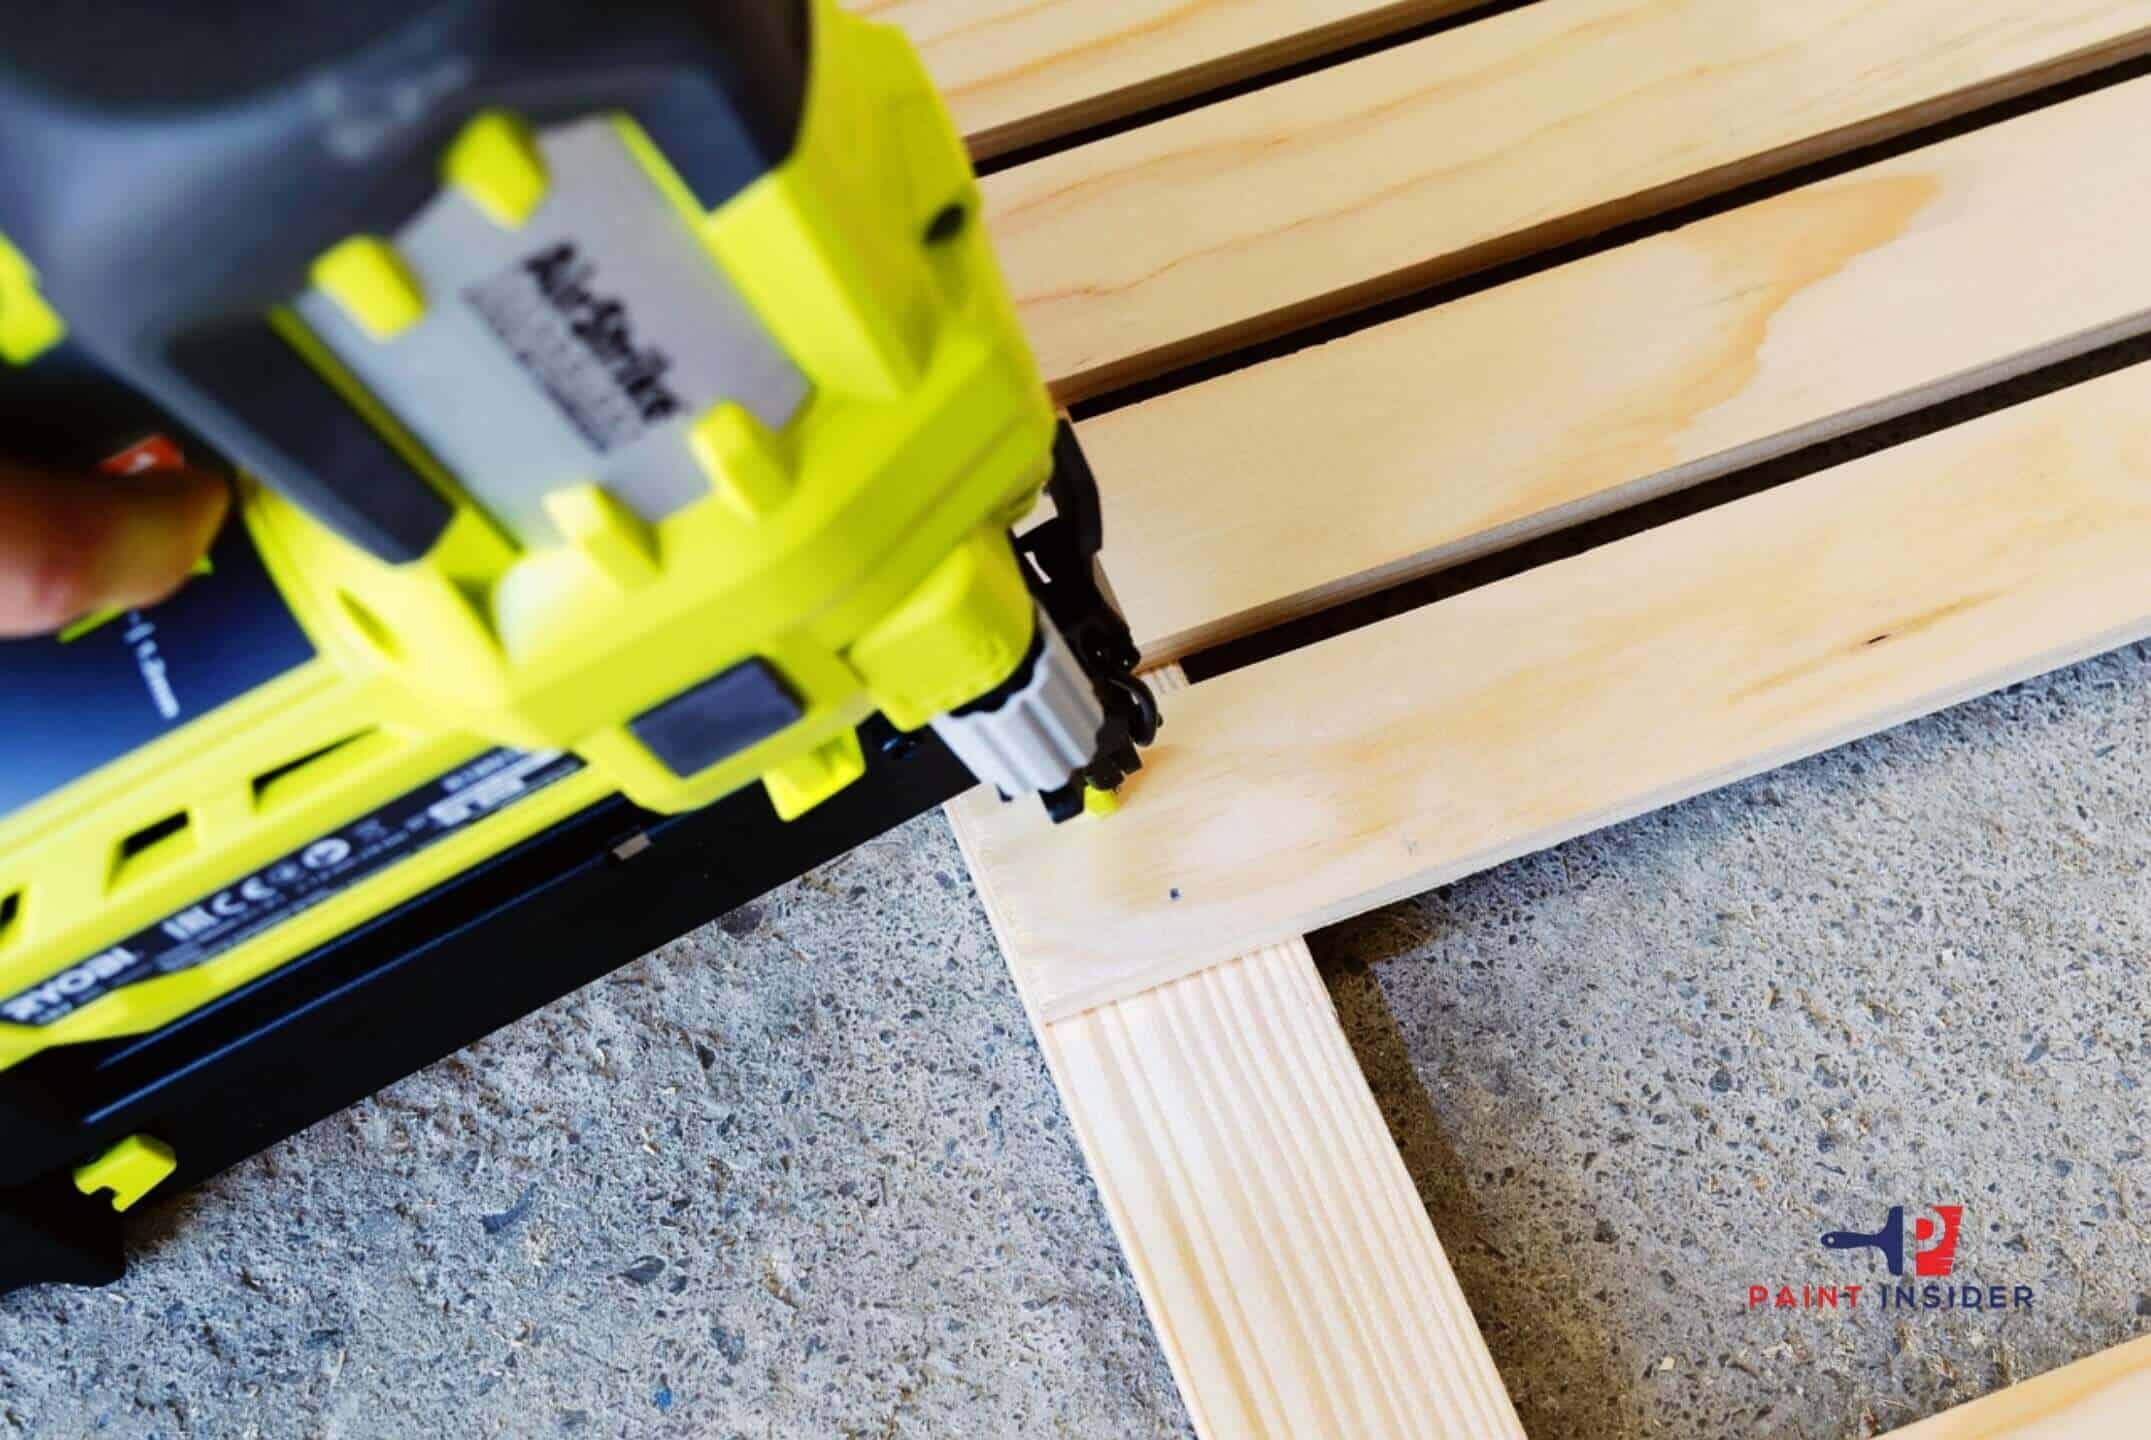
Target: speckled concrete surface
[[799, 1174], [803, 1174], [1642, 1072]]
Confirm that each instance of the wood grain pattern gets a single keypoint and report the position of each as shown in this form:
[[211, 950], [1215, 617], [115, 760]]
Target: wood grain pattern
[[1018, 72], [2106, 1397], [1598, 384], [1399, 757], [1289, 1269], [1511, 133]]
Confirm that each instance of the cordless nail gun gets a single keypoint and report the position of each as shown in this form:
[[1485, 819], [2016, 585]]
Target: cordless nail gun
[[628, 424]]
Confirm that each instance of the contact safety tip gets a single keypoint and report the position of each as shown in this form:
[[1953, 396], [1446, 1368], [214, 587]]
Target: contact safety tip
[[1100, 803]]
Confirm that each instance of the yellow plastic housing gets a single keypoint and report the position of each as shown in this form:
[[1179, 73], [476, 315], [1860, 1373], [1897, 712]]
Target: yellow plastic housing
[[28, 326], [129, 1169], [861, 553]]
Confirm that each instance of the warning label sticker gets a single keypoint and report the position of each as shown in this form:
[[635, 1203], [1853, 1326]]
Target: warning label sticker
[[297, 882]]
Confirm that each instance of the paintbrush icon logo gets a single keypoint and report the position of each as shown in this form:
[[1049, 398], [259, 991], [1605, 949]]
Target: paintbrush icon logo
[[1939, 1258]]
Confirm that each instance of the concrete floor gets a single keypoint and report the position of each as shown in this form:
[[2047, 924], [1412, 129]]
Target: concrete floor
[[802, 1173]]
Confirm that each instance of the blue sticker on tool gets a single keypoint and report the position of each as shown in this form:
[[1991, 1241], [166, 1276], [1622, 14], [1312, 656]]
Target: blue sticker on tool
[[68, 708]]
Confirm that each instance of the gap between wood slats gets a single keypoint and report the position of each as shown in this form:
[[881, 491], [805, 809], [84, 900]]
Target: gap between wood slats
[[1327, 622], [1240, 220], [1216, 87], [1020, 73]]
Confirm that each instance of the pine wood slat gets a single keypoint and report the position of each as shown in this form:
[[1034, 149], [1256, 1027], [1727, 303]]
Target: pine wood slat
[[1018, 72], [1505, 135], [2105, 1397], [1290, 1271]]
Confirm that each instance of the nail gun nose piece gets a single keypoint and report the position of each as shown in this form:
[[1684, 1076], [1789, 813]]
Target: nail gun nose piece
[[1036, 731]]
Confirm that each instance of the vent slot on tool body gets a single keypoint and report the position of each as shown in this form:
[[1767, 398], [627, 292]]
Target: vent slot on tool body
[[151, 847], [303, 774]]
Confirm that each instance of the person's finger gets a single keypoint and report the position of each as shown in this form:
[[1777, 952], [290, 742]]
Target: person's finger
[[71, 545]]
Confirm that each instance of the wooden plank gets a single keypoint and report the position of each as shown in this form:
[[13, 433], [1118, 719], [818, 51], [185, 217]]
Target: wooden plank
[[1399, 757], [1018, 72], [1286, 1263], [1595, 385], [1522, 130], [2103, 1398]]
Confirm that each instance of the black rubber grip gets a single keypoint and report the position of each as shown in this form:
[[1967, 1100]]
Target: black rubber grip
[[323, 454]]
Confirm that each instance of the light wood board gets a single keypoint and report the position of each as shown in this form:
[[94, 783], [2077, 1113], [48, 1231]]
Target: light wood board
[[1288, 1266], [1216, 1114], [2107, 1397], [1504, 135], [1335, 470], [1018, 72], [1399, 757]]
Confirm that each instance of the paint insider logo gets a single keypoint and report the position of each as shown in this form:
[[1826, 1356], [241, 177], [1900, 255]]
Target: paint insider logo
[[1890, 1240], [1936, 1261]]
